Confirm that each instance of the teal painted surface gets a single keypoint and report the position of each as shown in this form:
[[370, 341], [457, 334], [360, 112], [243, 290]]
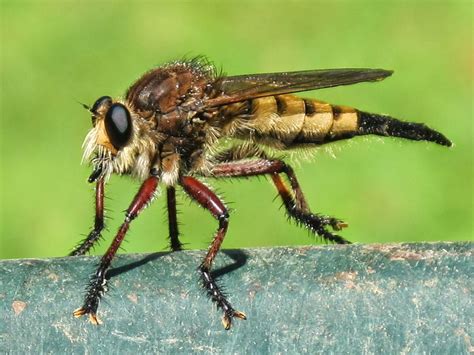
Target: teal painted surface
[[408, 298]]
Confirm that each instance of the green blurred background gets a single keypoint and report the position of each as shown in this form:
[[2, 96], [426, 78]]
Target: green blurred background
[[56, 53]]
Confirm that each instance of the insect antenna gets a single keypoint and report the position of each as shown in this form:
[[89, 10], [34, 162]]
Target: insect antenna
[[88, 108]]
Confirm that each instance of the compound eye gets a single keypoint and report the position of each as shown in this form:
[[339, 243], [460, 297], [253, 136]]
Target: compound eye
[[118, 125], [101, 103]]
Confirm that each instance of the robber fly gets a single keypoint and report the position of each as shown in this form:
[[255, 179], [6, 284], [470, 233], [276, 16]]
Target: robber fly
[[169, 127]]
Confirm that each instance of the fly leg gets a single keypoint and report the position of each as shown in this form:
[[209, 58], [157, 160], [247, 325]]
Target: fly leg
[[94, 235], [294, 201], [314, 222], [207, 199], [175, 243], [97, 285]]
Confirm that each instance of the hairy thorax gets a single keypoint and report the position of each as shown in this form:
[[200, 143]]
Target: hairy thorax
[[169, 134]]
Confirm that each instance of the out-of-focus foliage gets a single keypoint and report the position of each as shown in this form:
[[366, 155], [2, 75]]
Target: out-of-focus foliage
[[54, 54]]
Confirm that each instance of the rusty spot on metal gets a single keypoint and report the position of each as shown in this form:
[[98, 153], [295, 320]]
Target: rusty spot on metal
[[53, 277], [431, 283], [256, 287], [18, 307], [406, 255], [467, 339], [348, 277], [133, 297], [401, 253]]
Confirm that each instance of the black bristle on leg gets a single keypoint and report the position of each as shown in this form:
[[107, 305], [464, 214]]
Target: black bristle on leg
[[208, 199], [294, 201], [175, 243], [317, 225], [85, 245], [97, 285], [217, 296], [381, 125]]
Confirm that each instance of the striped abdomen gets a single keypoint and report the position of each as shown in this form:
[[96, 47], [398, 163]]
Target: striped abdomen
[[291, 120]]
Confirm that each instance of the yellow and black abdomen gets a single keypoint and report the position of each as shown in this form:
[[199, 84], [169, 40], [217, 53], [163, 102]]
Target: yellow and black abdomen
[[286, 121]]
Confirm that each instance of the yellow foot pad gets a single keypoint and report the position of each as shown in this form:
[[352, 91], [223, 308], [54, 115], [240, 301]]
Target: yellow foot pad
[[92, 316], [227, 319], [340, 225]]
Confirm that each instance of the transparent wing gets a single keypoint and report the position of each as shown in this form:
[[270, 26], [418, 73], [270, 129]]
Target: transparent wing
[[244, 87]]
